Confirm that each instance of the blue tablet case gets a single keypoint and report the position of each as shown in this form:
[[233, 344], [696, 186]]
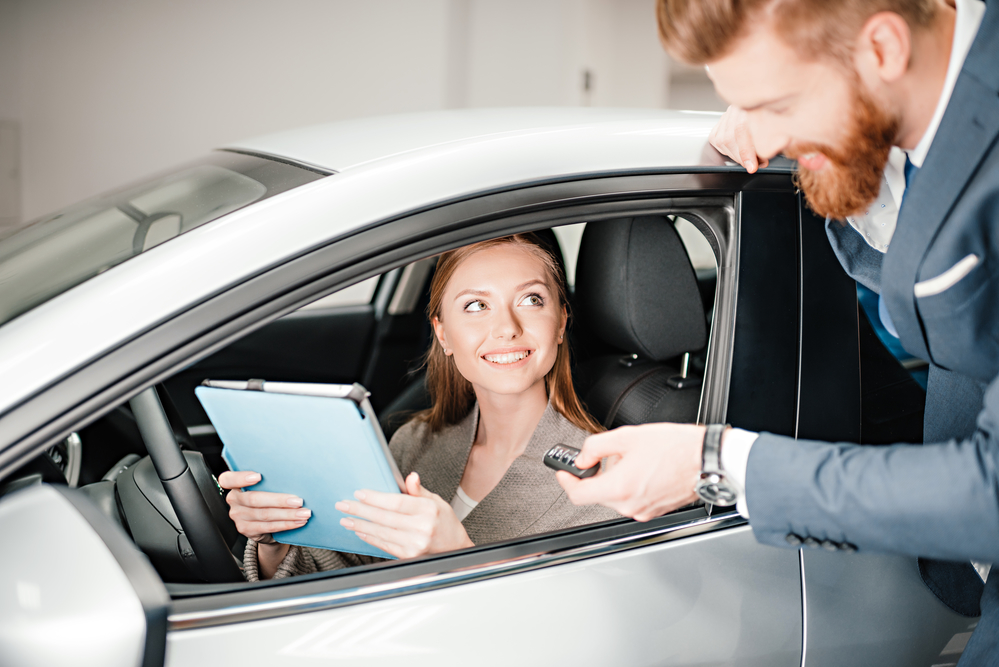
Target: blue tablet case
[[319, 448]]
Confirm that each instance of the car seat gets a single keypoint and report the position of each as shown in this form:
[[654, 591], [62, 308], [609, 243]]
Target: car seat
[[637, 292]]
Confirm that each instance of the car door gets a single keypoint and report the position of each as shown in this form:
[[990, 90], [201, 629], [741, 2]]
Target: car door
[[860, 608], [691, 587]]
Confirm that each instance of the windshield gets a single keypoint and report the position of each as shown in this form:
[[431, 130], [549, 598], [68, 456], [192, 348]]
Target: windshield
[[60, 251]]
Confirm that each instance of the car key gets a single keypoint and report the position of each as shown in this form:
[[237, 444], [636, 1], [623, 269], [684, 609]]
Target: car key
[[563, 457]]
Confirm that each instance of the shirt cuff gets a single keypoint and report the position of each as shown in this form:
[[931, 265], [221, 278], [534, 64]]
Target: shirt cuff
[[736, 444]]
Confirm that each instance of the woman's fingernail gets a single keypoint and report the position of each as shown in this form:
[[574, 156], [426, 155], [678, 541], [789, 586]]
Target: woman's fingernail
[[346, 523], [253, 478], [360, 495], [343, 506], [295, 502], [303, 514]]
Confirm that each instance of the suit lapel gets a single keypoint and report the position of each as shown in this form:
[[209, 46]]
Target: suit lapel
[[967, 132]]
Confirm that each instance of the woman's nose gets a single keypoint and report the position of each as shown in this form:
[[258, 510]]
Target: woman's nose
[[506, 324]]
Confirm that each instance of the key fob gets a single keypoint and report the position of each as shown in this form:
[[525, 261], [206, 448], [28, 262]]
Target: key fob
[[563, 457]]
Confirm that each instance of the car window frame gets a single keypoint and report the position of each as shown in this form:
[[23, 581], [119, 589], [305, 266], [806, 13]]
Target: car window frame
[[710, 200]]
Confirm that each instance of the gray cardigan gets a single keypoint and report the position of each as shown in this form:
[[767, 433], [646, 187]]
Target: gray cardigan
[[526, 501]]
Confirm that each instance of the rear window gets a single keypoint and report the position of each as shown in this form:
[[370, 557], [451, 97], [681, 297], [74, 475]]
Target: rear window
[[62, 250]]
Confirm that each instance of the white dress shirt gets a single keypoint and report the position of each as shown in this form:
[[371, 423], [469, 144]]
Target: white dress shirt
[[877, 225]]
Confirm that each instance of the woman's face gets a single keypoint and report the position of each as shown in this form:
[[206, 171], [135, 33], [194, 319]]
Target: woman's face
[[500, 320]]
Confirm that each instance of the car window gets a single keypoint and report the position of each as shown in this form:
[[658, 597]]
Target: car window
[[355, 295], [57, 252]]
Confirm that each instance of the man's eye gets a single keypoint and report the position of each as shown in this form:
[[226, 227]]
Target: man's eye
[[532, 300], [474, 306]]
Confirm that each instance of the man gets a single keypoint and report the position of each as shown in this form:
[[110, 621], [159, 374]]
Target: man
[[835, 84]]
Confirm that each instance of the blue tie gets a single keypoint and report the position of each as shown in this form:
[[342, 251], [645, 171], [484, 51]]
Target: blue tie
[[910, 171]]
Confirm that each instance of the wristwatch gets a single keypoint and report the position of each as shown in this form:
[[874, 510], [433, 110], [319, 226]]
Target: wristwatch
[[714, 487]]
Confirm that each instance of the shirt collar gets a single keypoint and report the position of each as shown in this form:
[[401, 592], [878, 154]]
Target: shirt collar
[[969, 18]]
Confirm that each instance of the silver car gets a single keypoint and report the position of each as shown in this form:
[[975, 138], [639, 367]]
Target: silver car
[[306, 256]]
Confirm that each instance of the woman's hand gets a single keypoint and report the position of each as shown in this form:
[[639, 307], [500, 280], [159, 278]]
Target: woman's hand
[[407, 525], [731, 137], [257, 514]]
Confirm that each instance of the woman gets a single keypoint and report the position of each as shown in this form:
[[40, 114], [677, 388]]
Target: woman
[[499, 378]]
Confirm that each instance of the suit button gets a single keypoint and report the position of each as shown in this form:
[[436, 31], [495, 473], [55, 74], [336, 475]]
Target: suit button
[[810, 542], [829, 545], [793, 539], [847, 547]]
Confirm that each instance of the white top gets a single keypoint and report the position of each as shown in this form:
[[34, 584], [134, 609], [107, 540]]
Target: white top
[[873, 225], [462, 504]]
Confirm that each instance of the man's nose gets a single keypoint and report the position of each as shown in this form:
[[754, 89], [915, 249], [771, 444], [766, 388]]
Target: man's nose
[[768, 136]]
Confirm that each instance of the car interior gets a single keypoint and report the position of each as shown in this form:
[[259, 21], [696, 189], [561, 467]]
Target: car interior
[[641, 303]]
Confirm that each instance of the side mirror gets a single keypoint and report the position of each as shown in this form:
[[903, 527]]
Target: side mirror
[[74, 590]]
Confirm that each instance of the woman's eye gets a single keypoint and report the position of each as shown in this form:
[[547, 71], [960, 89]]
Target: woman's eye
[[532, 300], [474, 306]]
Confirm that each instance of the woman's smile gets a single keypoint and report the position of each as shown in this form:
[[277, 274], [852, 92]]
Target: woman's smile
[[508, 358]]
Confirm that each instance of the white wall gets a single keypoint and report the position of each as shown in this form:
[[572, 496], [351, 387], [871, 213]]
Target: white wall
[[107, 91], [10, 115], [112, 90]]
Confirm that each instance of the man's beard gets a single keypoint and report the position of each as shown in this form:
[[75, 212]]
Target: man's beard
[[852, 177]]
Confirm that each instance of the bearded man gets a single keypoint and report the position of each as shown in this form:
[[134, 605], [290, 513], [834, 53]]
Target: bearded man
[[836, 84]]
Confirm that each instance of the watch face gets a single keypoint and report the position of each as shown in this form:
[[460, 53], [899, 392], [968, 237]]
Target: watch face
[[714, 489]]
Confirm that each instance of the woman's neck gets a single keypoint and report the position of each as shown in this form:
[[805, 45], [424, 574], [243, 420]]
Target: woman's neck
[[507, 422]]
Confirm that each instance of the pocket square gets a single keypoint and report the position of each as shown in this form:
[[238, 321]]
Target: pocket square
[[947, 279]]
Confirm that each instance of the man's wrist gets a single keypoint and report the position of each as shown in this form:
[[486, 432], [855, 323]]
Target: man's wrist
[[714, 487], [736, 445]]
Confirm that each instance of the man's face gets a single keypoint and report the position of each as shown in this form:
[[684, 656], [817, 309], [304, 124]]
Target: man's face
[[814, 111]]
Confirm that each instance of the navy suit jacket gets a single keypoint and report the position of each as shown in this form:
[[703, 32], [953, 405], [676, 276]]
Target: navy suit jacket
[[940, 500]]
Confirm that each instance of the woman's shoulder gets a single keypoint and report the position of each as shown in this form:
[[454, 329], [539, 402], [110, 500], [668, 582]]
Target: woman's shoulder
[[415, 438]]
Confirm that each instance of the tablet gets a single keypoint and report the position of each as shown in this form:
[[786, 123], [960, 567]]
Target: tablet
[[321, 442]]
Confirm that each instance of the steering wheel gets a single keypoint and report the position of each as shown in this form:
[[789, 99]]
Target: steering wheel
[[216, 562]]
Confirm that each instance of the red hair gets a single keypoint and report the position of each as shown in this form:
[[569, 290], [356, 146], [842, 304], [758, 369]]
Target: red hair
[[700, 31]]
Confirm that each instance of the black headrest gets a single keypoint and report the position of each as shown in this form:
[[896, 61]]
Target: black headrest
[[636, 289]]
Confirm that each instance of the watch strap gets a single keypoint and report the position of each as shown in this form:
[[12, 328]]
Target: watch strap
[[711, 452]]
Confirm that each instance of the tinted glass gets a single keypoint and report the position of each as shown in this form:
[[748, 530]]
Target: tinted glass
[[60, 251]]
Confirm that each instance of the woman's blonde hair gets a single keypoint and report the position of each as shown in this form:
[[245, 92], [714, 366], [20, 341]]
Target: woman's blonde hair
[[450, 393]]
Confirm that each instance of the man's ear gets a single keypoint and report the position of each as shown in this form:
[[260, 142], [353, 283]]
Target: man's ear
[[884, 48], [439, 332]]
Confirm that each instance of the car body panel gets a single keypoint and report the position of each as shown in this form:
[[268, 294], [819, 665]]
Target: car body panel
[[719, 598], [903, 625], [346, 145]]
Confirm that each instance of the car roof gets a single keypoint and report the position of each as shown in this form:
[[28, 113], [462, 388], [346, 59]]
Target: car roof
[[344, 145], [387, 166]]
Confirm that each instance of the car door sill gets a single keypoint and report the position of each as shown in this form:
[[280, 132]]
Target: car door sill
[[433, 581]]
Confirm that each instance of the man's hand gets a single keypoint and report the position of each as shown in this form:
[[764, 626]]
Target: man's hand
[[654, 470], [732, 138]]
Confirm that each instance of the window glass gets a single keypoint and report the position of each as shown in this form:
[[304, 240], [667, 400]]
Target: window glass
[[60, 251], [569, 237], [355, 295]]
